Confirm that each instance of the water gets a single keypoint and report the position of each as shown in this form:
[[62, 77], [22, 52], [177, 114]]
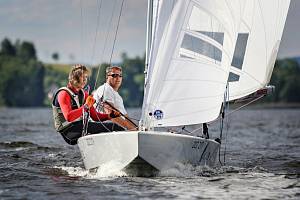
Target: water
[[262, 162]]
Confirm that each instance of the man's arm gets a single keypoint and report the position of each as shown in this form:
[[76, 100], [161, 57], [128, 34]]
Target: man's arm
[[124, 123], [119, 120]]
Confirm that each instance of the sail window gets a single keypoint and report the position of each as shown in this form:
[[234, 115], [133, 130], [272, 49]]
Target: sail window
[[217, 36], [233, 77], [200, 46], [239, 51]]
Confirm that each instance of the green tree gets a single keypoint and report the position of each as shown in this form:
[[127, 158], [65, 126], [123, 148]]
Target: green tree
[[55, 56], [132, 90], [7, 48], [285, 78], [23, 83], [27, 51], [22, 76]]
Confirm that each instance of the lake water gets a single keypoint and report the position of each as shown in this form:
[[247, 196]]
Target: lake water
[[262, 162]]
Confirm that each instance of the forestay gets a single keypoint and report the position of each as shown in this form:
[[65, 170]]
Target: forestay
[[191, 52], [258, 40]]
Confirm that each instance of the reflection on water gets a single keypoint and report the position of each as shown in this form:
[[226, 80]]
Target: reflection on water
[[262, 162]]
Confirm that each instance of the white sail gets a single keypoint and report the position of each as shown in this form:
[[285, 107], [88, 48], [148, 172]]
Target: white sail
[[191, 52], [257, 45]]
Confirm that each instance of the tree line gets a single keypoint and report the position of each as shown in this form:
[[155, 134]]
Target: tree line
[[22, 75], [27, 82]]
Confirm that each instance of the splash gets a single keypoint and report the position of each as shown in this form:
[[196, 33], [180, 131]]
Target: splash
[[108, 170], [187, 170]]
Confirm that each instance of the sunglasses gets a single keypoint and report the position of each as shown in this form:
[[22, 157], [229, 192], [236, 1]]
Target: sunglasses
[[116, 75]]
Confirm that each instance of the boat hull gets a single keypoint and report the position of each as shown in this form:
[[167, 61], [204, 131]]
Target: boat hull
[[145, 153]]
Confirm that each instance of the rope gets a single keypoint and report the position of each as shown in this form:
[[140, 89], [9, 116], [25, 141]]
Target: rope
[[245, 104], [113, 47], [226, 97], [227, 130], [81, 32], [222, 120], [104, 47], [227, 123], [99, 5], [86, 113]]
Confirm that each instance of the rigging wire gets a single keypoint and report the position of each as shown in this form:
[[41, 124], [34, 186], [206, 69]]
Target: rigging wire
[[104, 47], [81, 32], [246, 104], [227, 120], [86, 114], [114, 41], [113, 47], [99, 5], [116, 33], [222, 121]]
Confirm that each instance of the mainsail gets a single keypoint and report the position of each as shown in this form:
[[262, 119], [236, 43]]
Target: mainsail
[[194, 47]]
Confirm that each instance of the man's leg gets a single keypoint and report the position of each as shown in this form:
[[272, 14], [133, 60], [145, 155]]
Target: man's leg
[[97, 127]]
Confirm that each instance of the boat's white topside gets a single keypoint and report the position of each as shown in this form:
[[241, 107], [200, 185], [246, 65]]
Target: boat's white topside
[[170, 134], [162, 150]]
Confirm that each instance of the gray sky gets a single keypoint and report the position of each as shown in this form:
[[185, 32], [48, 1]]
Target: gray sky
[[69, 28]]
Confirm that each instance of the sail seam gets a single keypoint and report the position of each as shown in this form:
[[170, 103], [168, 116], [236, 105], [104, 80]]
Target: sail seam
[[195, 80], [189, 113], [264, 29], [194, 98], [199, 61]]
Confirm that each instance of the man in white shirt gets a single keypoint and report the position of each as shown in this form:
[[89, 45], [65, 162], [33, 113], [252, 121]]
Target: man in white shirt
[[108, 92]]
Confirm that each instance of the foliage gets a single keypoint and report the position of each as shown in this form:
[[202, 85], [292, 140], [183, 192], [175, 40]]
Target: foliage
[[26, 51], [133, 81], [56, 76], [22, 82], [21, 75], [55, 56], [27, 82], [286, 79], [7, 48]]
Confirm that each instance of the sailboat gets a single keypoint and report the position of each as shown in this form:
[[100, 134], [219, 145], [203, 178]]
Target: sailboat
[[200, 54]]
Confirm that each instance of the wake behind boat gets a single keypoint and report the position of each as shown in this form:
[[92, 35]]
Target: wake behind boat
[[145, 153]]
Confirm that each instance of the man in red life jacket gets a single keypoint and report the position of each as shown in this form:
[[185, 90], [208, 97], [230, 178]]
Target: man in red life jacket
[[68, 106]]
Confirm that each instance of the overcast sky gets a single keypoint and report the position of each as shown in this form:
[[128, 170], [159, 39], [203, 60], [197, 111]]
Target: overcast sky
[[69, 27]]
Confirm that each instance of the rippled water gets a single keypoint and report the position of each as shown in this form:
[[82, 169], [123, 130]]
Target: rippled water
[[262, 162]]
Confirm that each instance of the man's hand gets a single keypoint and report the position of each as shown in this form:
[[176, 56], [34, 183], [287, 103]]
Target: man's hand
[[114, 114], [90, 101]]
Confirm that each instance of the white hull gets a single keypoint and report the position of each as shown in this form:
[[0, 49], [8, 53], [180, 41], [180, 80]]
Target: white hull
[[146, 153]]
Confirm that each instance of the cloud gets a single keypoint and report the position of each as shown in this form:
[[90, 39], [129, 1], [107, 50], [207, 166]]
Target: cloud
[[69, 27]]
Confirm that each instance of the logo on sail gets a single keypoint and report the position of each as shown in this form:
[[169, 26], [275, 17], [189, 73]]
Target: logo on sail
[[158, 114]]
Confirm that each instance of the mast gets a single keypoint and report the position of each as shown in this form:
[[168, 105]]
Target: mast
[[149, 33], [148, 48]]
